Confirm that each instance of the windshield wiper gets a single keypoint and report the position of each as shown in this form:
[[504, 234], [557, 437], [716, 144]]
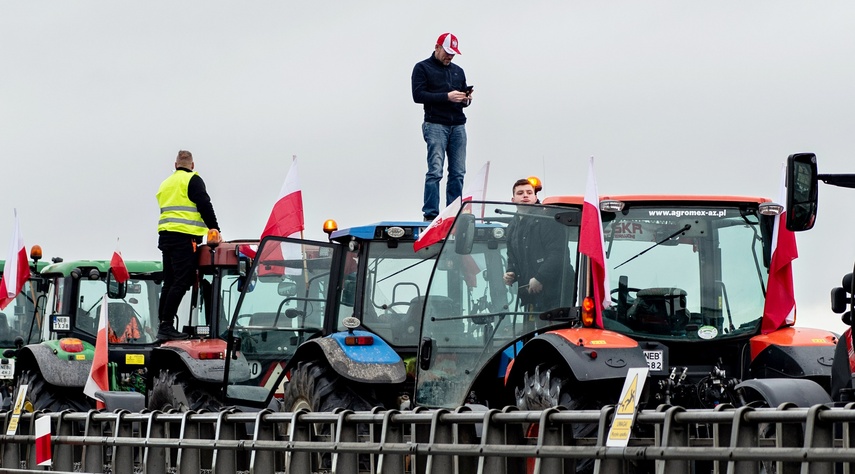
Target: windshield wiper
[[666, 239], [404, 269]]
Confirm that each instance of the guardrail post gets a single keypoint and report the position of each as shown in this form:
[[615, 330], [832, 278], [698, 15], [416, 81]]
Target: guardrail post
[[123, 456], [673, 434], [465, 434], [154, 457], [553, 434], [788, 435], [299, 462], [818, 434], [491, 435], [345, 432], [224, 460], [848, 439], [743, 435], [420, 435], [440, 433], [93, 454], [606, 465], [721, 437], [262, 461], [188, 460], [390, 433], [11, 455], [62, 454]]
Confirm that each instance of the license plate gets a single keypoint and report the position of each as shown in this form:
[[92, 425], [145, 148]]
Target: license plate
[[7, 370], [61, 323], [655, 360]]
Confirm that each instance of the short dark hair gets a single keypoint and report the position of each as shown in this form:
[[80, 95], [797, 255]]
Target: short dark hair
[[522, 182]]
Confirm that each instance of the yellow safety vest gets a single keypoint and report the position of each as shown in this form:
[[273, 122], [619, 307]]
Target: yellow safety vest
[[177, 212]]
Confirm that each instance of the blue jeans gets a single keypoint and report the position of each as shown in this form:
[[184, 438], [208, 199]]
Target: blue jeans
[[443, 140]]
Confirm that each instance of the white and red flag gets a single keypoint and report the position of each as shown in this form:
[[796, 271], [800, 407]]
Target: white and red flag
[[591, 243], [16, 272], [286, 218], [439, 227], [98, 377], [43, 456], [476, 189], [118, 267], [780, 306]]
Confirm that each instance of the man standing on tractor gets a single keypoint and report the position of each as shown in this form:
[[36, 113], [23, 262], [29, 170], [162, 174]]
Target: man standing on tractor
[[186, 214]]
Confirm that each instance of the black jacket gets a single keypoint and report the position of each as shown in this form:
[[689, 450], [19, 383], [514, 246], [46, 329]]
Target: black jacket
[[432, 81], [537, 249]]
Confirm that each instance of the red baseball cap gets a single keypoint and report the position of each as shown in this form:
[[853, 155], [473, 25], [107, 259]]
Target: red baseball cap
[[449, 43]]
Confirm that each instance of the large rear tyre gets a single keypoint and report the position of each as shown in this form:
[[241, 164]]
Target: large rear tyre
[[168, 386], [315, 386], [42, 395], [551, 388]]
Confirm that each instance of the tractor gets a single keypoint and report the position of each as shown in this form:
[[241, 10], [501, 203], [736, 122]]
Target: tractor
[[20, 324], [688, 277]]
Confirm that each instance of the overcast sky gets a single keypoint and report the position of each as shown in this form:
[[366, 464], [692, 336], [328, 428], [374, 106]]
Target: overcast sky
[[96, 98]]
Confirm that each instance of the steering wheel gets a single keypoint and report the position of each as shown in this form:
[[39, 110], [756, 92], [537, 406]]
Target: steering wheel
[[623, 299]]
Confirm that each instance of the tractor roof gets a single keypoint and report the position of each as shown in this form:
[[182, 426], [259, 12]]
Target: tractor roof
[[134, 266], [377, 230]]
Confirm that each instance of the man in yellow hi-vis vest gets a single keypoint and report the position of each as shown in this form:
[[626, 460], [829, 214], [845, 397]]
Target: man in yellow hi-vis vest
[[186, 214]]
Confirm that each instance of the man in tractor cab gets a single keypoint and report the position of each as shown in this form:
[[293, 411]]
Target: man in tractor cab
[[534, 252], [186, 214]]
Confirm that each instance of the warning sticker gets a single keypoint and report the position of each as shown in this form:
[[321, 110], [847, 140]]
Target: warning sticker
[[627, 407]]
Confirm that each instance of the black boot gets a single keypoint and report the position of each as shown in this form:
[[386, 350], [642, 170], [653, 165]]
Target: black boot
[[167, 332]]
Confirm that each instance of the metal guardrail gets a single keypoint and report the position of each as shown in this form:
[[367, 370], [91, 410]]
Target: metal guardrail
[[666, 440]]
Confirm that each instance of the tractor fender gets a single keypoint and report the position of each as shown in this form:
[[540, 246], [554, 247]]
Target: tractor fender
[[802, 392], [376, 363], [589, 354], [204, 370], [55, 371], [794, 352]]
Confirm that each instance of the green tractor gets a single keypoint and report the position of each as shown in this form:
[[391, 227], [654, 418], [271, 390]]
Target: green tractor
[[20, 324], [56, 366]]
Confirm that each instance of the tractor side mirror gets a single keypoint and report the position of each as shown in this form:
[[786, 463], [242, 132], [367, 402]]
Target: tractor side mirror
[[115, 290], [287, 288], [802, 186], [464, 234]]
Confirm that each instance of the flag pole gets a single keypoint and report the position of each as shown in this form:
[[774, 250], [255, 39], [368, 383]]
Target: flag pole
[[302, 246]]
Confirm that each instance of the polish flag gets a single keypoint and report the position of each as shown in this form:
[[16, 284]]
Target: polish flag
[[98, 378], [117, 266], [439, 227], [591, 243], [16, 272], [476, 189], [43, 457], [286, 218], [780, 307]]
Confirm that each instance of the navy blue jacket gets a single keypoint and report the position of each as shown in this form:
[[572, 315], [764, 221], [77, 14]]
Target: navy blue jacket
[[432, 81]]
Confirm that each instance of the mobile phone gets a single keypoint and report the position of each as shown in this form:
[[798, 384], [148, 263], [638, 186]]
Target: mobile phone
[[468, 89]]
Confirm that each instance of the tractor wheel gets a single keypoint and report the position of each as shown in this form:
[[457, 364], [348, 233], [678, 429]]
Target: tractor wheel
[[550, 388], [315, 386], [42, 395], [198, 396]]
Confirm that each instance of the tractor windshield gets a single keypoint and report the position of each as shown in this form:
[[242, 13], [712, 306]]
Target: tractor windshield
[[493, 279], [132, 319], [282, 305], [24, 316], [686, 272], [397, 280]]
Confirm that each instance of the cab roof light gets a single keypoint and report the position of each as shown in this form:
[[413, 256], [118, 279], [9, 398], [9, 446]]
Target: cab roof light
[[536, 183], [771, 209], [36, 253], [611, 205], [330, 226]]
